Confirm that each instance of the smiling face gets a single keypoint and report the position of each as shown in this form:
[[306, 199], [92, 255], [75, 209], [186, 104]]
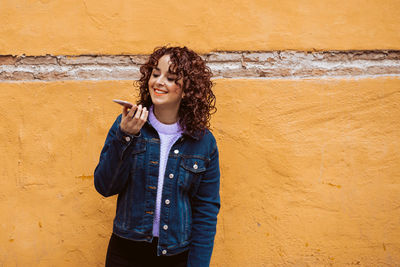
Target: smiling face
[[164, 92]]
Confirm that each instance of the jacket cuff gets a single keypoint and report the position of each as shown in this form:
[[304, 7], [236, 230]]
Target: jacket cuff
[[125, 137]]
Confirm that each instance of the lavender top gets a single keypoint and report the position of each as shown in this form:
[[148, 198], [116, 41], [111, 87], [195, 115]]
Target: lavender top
[[169, 134]]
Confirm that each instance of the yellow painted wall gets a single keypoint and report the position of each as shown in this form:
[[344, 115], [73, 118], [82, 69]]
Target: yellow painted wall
[[125, 26], [310, 168], [310, 172]]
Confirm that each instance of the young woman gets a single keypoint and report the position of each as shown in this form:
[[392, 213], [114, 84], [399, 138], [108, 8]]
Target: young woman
[[162, 161]]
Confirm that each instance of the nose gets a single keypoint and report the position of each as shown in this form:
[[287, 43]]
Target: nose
[[160, 80]]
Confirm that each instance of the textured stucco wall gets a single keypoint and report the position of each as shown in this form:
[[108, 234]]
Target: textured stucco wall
[[126, 26], [310, 172], [309, 139]]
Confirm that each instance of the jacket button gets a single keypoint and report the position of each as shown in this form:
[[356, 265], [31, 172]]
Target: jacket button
[[165, 227], [164, 252], [176, 151], [127, 138], [167, 201], [195, 166], [171, 175]]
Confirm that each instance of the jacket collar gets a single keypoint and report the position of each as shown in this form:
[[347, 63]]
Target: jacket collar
[[184, 133]]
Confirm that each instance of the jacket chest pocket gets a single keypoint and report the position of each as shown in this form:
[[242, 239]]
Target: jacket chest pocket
[[191, 170]]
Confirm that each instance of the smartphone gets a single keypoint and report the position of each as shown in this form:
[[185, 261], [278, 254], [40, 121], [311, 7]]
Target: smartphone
[[123, 103]]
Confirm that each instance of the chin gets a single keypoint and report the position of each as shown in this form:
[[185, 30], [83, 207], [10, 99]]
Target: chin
[[157, 101]]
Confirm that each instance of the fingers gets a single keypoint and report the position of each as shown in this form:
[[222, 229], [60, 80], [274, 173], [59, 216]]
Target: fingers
[[138, 112], [144, 115], [128, 112], [132, 111], [140, 117], [132, 122], [124, 111]]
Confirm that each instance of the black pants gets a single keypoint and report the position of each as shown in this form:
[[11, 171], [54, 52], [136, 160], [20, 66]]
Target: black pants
[[127, 253]]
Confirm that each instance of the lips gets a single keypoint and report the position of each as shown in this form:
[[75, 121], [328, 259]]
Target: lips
[[160, 91]]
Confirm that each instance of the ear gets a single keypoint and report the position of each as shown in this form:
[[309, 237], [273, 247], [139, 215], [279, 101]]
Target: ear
[[183, 95]]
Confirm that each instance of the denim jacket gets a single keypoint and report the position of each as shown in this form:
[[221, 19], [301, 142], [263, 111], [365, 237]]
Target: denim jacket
[[129, 166]]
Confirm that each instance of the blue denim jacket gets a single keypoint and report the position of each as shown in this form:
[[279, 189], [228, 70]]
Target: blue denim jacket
[[190, 202]]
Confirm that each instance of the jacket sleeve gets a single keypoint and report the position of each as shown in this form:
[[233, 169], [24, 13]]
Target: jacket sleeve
[[205, 208], [112, 171]]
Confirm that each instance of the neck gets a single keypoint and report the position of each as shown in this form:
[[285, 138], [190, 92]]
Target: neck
[[166, 115]]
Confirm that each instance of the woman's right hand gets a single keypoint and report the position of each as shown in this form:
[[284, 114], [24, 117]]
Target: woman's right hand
[[131, 123]]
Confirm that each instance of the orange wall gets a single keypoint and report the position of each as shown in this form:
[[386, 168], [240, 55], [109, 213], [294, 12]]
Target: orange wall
[[310, 172], [125, 26], [310, 167]]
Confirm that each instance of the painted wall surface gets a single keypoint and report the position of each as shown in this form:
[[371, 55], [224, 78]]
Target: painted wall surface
[[310, 167], [125, 26], [310, 172]]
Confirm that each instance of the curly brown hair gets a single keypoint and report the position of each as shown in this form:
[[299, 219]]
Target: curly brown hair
[[198, 102]]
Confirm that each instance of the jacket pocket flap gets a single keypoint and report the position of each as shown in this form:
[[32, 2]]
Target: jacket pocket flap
[[194, 165]]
